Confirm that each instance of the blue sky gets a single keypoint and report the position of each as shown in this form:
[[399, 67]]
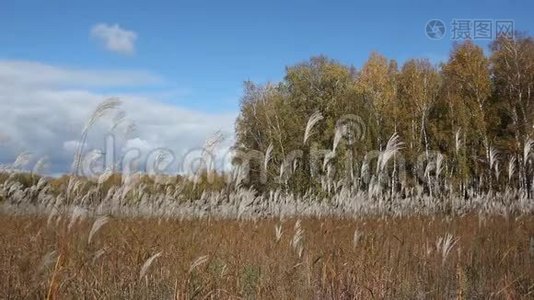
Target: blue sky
[[204, 50], [179, 66]]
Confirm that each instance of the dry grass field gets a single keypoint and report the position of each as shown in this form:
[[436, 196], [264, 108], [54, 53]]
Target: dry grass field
[[468, 257], [339, 176]]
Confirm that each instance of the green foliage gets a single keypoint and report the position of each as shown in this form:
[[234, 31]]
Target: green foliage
[[250, 279]]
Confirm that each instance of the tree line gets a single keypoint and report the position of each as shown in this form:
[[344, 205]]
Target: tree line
[[465, 124]]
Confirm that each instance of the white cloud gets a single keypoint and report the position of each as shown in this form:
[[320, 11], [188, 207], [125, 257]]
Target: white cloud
[[115, 38], [138, 143], [71, 146], [20, 72], [46, 116]]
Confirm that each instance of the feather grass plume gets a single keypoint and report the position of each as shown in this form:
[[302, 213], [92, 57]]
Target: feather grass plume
[[198, 262], [444, 246], [208, 150], [101, 110], [493, 157], [393, 146], [41, 165], [458, 141], [105, 175], [314, 119], [358, 235], [78, 214], [22, 160], [118, 119], [511, 167], [98, 254], [99, 223], [297, 240], [337, 137], [47, 260], [267, 157], [278, 232], [439, 164], [147, 264], [527, 148], [327, 158]]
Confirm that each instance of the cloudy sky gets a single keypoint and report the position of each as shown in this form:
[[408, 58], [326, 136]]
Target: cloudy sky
[[179, 67]]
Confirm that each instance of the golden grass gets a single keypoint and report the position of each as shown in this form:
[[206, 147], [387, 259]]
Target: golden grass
[[394, 258]]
